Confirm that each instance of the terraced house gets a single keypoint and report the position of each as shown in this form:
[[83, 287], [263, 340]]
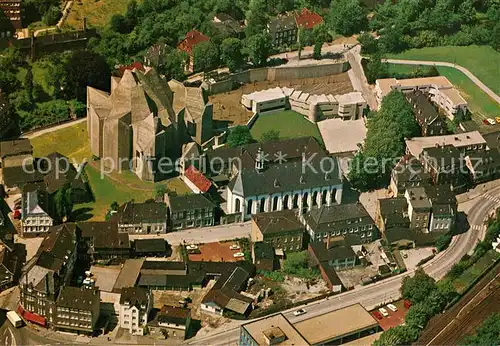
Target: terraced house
[[147, 217]]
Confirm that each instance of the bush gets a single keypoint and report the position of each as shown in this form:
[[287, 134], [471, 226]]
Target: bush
[[276, 276], [443, 241], [52, 16]]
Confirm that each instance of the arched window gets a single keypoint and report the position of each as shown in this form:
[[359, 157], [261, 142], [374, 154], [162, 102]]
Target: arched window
[[315, 198], [237, 206], [285, 202], [262, 205], [275, 203], [249, 206], [295, 201], [304, 200], [333, 197], [323, 197]]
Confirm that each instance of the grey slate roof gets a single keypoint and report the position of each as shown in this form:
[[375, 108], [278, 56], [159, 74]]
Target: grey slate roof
[[277, 222], [134, 296], [78, 298], [150, 245], [282, 23], [136, 213], [339, 250], [189, 202], [338, 216], [15, 147]]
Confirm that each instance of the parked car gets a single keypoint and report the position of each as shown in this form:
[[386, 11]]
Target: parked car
[[234, 247], [486, 122], [383, 312], [392, 307], [497, 119], [239, 254], [378, 315], [17, 214], [191, 247], [299, 312], [491, 121]]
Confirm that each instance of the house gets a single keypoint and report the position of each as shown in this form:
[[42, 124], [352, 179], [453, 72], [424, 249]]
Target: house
[[150, 247], [406, 238], [146, 135], [102, 241], [336, 252], [408, 173], [46, 273], [189, 211], [278, 175], [426, 115], [282, 229], [192, 38], [392, 212], [8, 126], [17, 163], [171, 322], [441, 92], [445, 165], [135, 306], [37, 211], [13, 10], [263, 256], [442, 218], [465, 142], [350, 220], [307, 20], [283, 30], [195, 180], [419, 208], [483, 165], [228, 26], [9, 267], [148, 217], [77, 310]]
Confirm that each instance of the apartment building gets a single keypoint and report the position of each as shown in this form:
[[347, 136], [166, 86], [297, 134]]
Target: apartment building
[[135, 306], [77, 310], [146, 218]]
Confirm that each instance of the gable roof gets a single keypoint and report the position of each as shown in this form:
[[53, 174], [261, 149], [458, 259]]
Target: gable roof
[[135, 296], [337, 216], [61, 171], [134, 213], [192, 38], [277, 221], [15, 147], [150, 245], [339, 249], [307, 19], [198, 179], [104, 235], [60, 242], [189, 202], [78, 297]]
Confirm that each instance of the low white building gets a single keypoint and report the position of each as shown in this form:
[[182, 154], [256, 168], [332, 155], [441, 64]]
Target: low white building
[[265, 100], [36, 214], [135, 305]]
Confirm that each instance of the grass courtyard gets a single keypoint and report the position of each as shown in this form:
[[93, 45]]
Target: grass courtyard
[[288, 123], [120, 187], [472, 273], [482, 61], [97, 12]]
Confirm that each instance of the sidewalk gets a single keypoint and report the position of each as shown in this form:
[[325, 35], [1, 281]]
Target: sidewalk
[[477, 191]]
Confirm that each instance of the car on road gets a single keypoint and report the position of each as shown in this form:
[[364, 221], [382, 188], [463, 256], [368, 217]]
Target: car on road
[[392, 307], [378, 315], [491, 121], [299, 312], [383, 312]]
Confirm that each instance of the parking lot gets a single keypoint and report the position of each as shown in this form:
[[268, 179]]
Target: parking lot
[[412, 257], [105, 276], [216, 252], [395, 318]]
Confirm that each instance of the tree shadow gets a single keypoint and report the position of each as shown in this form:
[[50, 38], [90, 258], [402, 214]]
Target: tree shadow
[[81, 214], [194, 327], [349, 195], [462, 223]]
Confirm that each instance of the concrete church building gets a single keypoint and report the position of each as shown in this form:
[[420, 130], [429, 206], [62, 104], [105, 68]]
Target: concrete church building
[[144, 119]]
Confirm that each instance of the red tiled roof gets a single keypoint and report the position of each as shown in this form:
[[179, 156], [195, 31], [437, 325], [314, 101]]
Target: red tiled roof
[[132, 66], [192, 38], [30, 316], [307, 19], [198, 179]]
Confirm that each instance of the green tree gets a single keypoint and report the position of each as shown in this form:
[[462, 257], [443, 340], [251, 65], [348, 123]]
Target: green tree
[[418, 315], [205, 56], [259, 48], [317, 50], [347, 17], [28, 83], [231, 53], [443, 241], [256, 17], [271, 135], [64, 202], [160, 191], [51, 17], [368, 43], [418, 288], [486, 334], [239, 135], [376, 69], [399, 335]]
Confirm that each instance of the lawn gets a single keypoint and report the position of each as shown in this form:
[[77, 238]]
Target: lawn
[[290, 124], [97, 12], [41, 70], [473, 272], [482, 61]]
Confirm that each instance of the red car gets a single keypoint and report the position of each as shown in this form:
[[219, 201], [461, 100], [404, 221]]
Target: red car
[[407, 304], [17, 214], [377, 315], [486, 122]]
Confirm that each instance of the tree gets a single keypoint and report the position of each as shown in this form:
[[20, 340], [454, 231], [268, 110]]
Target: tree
[[369, 44], [399, 335], [347, 17], [51, 17], [376, 69], [205, 56], [443, 241], [259, 48], [231, 53], [417, 288], [82, 69], [64, 202], [418, 315], [271, 135], [160, 191], [239, 135], [317, 50], [28, 83], [256, 17], [486, 334]]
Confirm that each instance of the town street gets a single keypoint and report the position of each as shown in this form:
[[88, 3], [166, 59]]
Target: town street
[[202, 235], [386, 290]]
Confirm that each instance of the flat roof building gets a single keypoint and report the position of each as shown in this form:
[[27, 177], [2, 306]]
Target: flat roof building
[[272, 330]]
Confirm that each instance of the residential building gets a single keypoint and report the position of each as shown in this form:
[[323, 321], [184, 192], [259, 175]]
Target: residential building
[[148, 217], [419, 208], [150, 247], [442, 93], [171, 322], [408, 173], [336, 252], [189, 211], [483, 165], [338, 327], [77, 310], [45, 274], [426, 115], [283, 30], [270, 330], [13, 10], [192, 38], [442, 218], [282, 229], [278, 175], [135, 306], [9, 267], [16, 161], [350, 220], [195, 180], [306, 19], [465, 142], [263, 256], [228, 26], [37, 211], [445, 165], [137, 135], [406, 238], [102, 241], [392, 213]]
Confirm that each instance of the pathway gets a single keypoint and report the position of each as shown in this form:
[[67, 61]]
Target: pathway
[[60, 23], [358, 78], [36, 133], [469, 74]]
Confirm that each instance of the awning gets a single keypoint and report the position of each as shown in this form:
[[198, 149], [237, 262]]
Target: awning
[[34, 318]]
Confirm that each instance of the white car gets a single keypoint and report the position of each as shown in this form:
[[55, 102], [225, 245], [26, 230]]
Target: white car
[[191, 247], [299, 312], [239, 254], [234, 247], [491, 121], [392, 307], [383, 312]]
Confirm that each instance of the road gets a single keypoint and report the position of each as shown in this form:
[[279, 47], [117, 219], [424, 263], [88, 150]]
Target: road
[[358, 77], [387, 290], [469, 74], [202, 235]]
